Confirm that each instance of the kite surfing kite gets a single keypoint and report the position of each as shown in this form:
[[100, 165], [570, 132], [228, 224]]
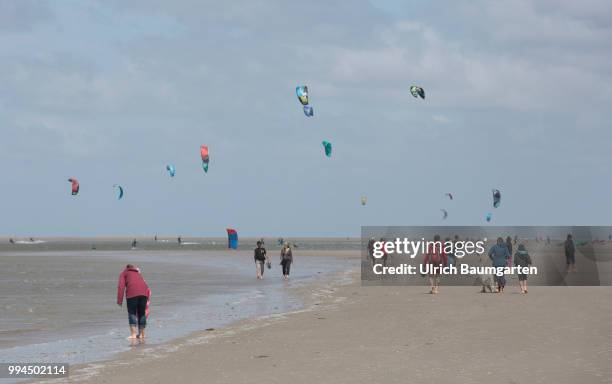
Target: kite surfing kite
[[364, 200], [450, 195], [328, 148], [119, 191], [488, 217], [205, 158], [302, 94], [232, 238], [171, 170], [308, 111], [417, 91], [444, 214], [75, 186], [496, 198]]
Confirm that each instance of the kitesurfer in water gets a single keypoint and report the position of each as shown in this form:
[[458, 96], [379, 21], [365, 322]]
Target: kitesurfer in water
[[132, 284]]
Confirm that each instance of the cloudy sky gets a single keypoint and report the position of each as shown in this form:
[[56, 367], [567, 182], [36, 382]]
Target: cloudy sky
[[519, 97]]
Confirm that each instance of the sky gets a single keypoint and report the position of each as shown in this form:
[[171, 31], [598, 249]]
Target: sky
[[518, 98]]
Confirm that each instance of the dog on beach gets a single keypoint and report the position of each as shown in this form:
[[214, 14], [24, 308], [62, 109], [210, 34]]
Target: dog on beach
[[487, 281]]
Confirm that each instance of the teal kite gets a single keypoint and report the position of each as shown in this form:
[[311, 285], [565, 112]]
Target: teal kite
[[328, 148], [119, 191]]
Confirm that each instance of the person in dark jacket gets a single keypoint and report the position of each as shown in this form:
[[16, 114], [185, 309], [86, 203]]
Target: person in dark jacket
[[499, 256], [570, 254], [509, 245], [260, 256], [522, 259], [132, 284]]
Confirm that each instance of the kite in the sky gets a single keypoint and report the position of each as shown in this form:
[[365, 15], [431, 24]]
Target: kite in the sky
[[302, 94], [75, 186], [488, 217], [417, 91], [444, 213], [496, 198], [450, 195], [119, 191], [364, 200], [232, 238], [308, 111], [328, 148], [205, 158], [171, 170]]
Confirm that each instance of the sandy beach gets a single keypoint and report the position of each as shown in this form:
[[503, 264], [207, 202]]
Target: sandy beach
[[350, 333]]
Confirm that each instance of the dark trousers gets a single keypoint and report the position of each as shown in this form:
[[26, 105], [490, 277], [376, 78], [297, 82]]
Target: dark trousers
[[286, 267], [137, 307]]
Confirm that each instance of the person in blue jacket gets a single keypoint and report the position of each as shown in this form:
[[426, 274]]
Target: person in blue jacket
[[499, 255]]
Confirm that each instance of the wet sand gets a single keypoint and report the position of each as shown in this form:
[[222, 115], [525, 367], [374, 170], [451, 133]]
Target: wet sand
[[395, 334]]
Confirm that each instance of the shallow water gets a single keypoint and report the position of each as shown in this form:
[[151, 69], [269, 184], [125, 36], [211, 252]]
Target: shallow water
[[60, 306]]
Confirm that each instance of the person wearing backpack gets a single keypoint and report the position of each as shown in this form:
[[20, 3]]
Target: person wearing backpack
[[522, 259], [435, 257], [286, 257]]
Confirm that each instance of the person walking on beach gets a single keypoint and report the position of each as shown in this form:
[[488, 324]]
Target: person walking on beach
[[385, 258], [509, 245], [260, 256], [570, 254], [499, 256], [450, 256], [371, 250], [522, 259], [286, 256], [132, 284], [435, 258]]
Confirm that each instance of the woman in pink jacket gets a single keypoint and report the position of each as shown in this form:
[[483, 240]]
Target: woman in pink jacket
[[137, 294]]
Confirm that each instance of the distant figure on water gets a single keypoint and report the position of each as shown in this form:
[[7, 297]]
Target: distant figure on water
[[179, 240], [499, 255], [522, 259], [155, 237], [260, 256], [134, 243], [11, 241], [137, 293], [570, 254], [286, 257]]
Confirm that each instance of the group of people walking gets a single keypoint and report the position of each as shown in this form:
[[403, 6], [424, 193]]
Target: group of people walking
[[501, 256], [262, 260]]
